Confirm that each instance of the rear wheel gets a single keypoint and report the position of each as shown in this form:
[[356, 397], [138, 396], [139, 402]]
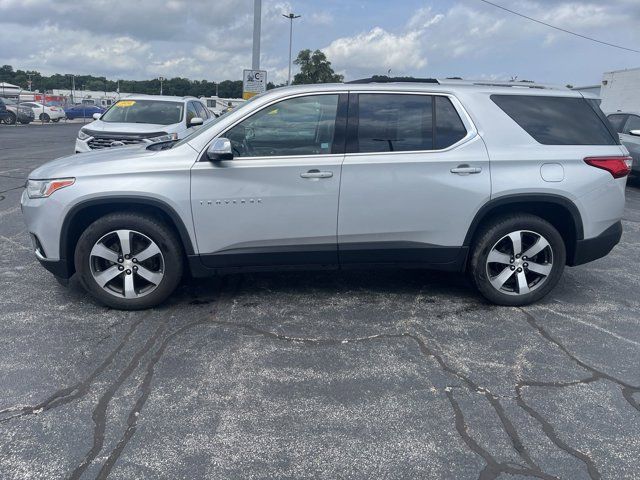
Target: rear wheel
[[44, 117], [10, 119], [517, 260], [55, 120], [129, 261]]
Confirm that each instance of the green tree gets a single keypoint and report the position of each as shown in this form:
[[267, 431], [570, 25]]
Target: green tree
[[315, 68]]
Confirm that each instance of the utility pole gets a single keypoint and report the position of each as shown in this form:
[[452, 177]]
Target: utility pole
[[257, 21], [291, 18], [161, 80]]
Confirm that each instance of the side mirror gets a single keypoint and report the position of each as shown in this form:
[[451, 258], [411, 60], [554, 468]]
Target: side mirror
[[195, 121], [220, 149], [96, 116], [635, 133]]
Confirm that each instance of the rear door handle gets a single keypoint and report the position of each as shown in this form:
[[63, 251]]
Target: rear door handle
[[316, 174], [465, 170]]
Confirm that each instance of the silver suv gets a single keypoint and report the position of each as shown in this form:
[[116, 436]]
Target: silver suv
[[508, 182], [143, 119]]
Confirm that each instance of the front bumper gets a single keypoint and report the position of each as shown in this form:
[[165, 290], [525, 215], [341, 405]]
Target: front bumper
[[591, 249]]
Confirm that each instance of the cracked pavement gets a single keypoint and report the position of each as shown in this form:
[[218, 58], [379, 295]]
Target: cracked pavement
[[381, 374]]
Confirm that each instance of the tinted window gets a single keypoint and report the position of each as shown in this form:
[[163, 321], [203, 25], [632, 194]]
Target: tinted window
[[449, 126], [556, 120], [202, 112], [617, 122], [297, 126], [144, 111], [394, 123], [191, 111], [632, 124]]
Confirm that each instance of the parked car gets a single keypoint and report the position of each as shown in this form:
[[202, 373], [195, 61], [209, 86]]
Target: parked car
[[17, 112], [4, 113], [509, 182], [627, 124], [143, 119], [83, 111], [48, 113]]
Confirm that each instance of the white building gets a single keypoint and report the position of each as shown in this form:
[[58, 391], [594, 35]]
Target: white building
[[621, 91]]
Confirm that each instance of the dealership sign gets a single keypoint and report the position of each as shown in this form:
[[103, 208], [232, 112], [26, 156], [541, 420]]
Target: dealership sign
[[254, 82]]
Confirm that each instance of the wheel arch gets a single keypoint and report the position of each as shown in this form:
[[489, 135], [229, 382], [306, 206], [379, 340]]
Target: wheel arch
[[561, 212], [85, 213]]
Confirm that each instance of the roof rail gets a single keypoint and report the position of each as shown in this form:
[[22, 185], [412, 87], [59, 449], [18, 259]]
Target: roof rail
[[385, 79], [489, 83]]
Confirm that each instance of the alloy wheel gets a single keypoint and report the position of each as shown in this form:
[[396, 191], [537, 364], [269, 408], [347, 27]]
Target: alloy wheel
[[519, 263], [126, 264]]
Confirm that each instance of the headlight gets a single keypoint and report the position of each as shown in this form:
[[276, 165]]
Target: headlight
[[82, 135], [44, 188], [164, 138]]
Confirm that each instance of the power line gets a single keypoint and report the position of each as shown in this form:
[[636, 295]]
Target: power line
[[559, 28]]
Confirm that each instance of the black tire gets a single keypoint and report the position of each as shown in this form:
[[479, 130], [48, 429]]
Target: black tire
[[55, 120], [25, 122], [44, 117], [491, 234], [10, 119], [155, 230]]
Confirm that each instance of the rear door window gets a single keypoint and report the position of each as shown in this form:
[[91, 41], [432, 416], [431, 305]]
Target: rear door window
[[449, 126], [617, 121], [395, 123], [633, 123], [389, 122], [557, 120]]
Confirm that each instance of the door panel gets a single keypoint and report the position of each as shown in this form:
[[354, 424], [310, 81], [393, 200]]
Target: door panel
[[409, 207], [262, 212], [279, 208]]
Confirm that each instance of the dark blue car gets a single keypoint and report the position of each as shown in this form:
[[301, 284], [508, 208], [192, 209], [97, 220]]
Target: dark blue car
[[82, 111]]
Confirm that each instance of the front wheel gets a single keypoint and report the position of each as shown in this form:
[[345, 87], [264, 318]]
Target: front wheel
[[129, 261], [55, 120], [517, 260], [44, 117]]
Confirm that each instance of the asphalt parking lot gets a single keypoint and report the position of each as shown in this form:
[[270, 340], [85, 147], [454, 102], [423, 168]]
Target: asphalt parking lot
[[382, 374]]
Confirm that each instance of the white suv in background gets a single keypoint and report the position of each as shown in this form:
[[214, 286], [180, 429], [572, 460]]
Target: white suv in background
[[141, 119]]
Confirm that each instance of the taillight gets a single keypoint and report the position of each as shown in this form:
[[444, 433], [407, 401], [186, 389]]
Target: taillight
[[618, 167]]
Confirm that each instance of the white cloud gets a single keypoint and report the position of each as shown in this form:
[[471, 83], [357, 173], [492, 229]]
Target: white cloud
[[378, 49]]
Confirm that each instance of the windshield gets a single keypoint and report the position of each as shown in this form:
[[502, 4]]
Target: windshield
[[212, 123], [8, 101], [144, 111]]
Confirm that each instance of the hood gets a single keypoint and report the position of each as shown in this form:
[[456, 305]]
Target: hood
[[123, 159], [128, 128]]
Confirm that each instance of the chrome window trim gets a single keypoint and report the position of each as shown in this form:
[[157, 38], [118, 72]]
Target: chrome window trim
[[267, 105], [472, 131]]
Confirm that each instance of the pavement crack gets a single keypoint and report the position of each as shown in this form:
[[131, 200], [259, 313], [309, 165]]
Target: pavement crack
[[628, 390], [509, 428], [73, 392], [493, 469], [99, 415]]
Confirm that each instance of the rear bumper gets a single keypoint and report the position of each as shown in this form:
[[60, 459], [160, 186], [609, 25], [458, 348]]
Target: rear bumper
[[593, 248]]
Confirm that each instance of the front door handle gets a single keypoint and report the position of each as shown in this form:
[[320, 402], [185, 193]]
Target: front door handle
[[465, 170], [316, 174]]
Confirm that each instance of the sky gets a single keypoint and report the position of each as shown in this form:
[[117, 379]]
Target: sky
[[211, 39]]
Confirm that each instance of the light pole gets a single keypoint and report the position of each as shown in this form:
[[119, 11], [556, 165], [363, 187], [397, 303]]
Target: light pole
[[257, 17], [161, 80], [291, 18]]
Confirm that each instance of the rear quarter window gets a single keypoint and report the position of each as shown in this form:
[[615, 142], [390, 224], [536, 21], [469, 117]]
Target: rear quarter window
[[557, 120]]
